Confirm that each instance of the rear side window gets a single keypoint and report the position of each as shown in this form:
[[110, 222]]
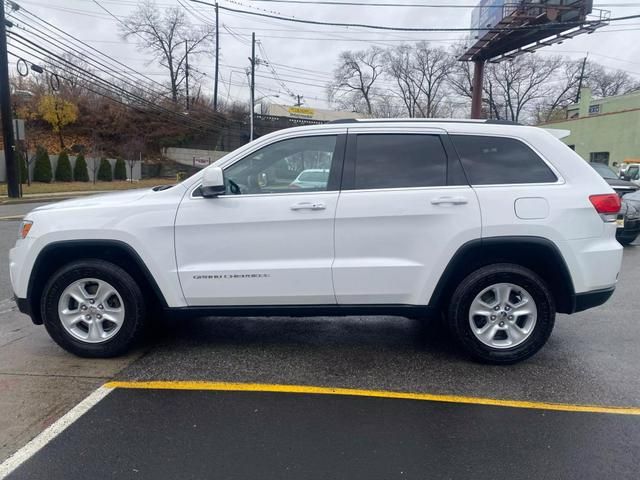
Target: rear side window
[[399, 161], [497, 160]]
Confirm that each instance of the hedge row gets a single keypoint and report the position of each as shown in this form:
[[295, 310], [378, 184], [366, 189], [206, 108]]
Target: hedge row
[[42, 171]]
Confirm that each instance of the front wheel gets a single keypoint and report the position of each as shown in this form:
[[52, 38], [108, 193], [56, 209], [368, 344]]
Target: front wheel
[[93, 308], [502, 313]]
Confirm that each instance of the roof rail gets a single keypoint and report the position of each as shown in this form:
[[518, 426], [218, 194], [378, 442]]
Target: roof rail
[[424, 120], [344, 120], [501, 122]]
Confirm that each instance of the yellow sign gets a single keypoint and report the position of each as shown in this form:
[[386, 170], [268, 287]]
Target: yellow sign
[[302, 111]]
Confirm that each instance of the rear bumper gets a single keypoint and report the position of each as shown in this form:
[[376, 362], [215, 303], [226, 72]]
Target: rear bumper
[[594, 298]]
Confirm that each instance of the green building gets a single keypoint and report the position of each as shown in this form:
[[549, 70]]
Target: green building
[[605, 130]]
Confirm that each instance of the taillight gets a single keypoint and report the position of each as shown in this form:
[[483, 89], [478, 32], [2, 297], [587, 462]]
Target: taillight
[[607, 205]]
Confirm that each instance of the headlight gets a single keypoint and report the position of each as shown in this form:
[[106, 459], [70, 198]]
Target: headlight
[[25, 226]]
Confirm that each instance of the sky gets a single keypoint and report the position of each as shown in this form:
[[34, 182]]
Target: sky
[[304, 56]]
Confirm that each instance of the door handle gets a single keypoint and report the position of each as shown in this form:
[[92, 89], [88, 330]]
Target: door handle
[[449, 201], [308, 206]]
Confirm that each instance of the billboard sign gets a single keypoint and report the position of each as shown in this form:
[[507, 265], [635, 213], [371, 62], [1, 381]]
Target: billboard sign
[[500, 27], [487, 14]]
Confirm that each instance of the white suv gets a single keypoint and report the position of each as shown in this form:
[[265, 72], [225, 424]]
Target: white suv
[[497, 226]]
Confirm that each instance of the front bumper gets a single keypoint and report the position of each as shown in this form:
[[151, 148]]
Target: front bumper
[[594, 298]]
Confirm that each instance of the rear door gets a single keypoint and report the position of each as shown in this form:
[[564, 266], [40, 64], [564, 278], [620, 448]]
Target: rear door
[[404, 209]]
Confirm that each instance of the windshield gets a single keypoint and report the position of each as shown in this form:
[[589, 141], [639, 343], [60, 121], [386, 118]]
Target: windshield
[[605, 171]]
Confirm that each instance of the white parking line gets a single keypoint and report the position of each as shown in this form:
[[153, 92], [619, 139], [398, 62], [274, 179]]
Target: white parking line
[[26, 452]]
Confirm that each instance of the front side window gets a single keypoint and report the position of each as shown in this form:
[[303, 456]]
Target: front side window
[[498, 160], [399, 161], [294, 165]]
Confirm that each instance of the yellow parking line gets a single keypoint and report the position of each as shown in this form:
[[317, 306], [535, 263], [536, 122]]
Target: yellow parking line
[[261, 387], [12, 217]]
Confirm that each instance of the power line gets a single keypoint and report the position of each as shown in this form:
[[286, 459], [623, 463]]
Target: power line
[[91, 61], [110, 96], [419, 29], [109, 86], [416, 5], [84, 55], [52, 28]]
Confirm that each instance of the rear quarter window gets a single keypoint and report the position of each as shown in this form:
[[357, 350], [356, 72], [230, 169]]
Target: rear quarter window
[[498, 160]]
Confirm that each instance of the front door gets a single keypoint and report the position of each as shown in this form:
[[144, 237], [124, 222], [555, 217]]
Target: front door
[[269, 239]]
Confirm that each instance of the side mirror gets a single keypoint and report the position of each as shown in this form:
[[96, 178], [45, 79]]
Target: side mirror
[[213, 182]]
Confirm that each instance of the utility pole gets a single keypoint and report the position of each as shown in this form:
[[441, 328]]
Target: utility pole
[[476, 89], [253, 83], [215, 81], [13, 188], [186, 70], [299, 101], [584, 64]]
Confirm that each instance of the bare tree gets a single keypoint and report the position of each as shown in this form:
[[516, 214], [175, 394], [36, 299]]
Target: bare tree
[[461, 74], [512, 88], [607, 83], [388, 106], [131, 151], [70, 82], [434, 66], [563, 93], [169, 36], [400, 67], [355, 77]]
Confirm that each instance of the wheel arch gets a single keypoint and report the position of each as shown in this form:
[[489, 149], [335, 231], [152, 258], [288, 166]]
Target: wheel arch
[[538, 254], [57, 254]]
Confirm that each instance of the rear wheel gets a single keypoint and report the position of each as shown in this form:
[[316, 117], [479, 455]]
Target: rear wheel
[[502, 313], [93, 308]]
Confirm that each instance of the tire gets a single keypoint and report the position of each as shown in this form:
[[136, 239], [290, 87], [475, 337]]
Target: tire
[[68, 293], [536, 316]]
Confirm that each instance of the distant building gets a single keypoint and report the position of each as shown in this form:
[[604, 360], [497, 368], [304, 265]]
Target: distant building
[[604, 130], [307, 112]]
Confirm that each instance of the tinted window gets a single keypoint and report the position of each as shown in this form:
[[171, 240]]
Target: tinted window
[[497, 160], [275, 168], [390, 161]]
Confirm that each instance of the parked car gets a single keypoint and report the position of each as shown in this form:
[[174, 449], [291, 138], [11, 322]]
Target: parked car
[[621, 186], [631, 173], [629, 219], [628, 222], [312, 178], [498, 226]]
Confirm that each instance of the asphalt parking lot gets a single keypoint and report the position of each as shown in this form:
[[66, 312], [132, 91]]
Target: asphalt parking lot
[[455, 419]]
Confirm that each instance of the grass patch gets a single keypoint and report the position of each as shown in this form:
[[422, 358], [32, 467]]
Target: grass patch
[[61, 187]]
